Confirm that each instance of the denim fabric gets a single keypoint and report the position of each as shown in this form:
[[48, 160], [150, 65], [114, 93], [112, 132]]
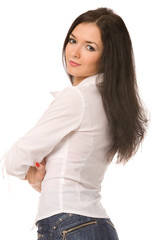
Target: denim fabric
[[69, 226]]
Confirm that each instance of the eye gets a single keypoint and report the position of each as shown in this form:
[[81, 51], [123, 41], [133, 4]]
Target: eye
[[90, 48], [72, 41]]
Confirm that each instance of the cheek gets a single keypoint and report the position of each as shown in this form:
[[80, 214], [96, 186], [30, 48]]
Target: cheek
[[94, 61]]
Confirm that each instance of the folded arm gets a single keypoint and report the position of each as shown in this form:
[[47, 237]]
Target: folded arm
[[63, 116]]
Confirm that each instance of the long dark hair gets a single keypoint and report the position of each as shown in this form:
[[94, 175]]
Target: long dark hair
[[122, 104]]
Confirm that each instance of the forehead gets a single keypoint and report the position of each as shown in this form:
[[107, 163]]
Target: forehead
[[87, 32]]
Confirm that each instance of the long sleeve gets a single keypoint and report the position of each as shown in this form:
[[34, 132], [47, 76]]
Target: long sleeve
[[63, 116]]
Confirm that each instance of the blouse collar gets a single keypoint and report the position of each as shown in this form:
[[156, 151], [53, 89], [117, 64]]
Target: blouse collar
[[91, 79], [87, 81]]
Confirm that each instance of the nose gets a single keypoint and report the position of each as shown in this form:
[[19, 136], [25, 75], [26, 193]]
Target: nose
[[76, 52]]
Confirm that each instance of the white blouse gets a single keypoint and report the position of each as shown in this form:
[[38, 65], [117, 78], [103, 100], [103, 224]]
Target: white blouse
[[73, 136]]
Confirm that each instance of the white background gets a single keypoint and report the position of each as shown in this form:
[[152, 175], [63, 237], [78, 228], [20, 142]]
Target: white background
[[31, 38]]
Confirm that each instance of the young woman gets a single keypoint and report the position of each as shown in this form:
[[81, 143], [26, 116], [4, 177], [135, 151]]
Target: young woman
[[66, 154]]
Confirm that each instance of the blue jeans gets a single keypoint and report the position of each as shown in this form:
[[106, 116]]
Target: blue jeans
[[69, 226]]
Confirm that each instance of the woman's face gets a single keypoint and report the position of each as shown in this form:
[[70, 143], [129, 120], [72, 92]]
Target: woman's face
[[83, 51]]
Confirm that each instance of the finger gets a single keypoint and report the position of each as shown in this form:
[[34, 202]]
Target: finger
[[40, 167], [37, 164]]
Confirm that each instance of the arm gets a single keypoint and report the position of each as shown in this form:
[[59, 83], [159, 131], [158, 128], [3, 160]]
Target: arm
[[62, 117]]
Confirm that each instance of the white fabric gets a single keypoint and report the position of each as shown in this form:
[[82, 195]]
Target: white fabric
[[73, 136]]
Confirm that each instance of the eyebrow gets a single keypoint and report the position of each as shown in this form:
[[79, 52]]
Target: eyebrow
[[85, 41]]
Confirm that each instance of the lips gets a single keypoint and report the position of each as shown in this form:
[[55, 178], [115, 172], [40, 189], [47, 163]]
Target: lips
[[73, 64]]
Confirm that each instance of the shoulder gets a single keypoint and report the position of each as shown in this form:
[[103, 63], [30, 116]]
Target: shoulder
[[71, 94], [70, 99]]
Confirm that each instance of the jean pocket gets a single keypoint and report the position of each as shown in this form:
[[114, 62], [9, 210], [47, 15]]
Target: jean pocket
[[40, 234], [78, 227], [110, 223]]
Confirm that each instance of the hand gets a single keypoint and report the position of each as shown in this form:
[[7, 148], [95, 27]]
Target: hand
[[35, 175]]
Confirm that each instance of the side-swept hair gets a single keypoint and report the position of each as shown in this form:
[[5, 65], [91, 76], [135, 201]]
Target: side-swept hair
[[122, 104]]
